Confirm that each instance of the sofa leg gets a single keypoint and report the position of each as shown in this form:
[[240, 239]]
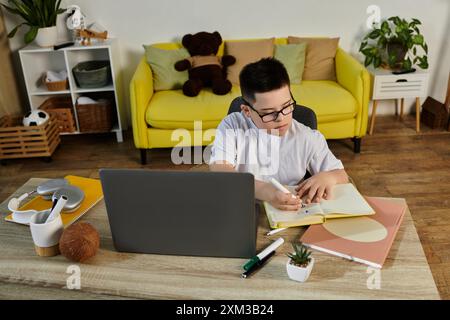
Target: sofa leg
[[356, 145], [143, 156]]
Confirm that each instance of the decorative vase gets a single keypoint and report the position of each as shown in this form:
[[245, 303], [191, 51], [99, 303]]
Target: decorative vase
[[297, 273], [398, 50], [46, 37]]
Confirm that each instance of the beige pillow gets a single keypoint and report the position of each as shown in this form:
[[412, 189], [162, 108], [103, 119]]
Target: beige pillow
[[320, 54], [247, 52]]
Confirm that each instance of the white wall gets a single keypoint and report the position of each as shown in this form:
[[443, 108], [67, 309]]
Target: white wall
[[136, 22]]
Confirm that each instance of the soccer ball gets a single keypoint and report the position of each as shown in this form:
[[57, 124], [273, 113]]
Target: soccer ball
[[35, 118]]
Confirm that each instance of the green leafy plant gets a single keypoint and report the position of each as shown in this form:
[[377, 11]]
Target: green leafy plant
[[395, 44], [301, 257], [36, 14]]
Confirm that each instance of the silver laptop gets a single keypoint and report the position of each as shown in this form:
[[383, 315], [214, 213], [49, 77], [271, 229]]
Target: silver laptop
[[181, 213]]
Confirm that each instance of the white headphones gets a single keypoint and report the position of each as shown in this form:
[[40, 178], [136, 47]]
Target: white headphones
[[50, 190], [21, 216]]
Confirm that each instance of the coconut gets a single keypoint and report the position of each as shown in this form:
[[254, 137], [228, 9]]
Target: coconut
[[79, 242]]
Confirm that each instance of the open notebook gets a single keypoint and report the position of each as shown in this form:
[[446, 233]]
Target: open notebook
[[346, 202]]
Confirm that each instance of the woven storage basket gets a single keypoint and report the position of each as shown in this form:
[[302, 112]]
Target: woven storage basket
[[61, 109], [92, 74], [56, 85], [95, 117], [18, 141]]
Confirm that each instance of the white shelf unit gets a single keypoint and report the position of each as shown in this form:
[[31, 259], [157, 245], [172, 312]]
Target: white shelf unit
[[36, 61]]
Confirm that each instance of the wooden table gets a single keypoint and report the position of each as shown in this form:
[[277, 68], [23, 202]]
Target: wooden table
[[406, 274]]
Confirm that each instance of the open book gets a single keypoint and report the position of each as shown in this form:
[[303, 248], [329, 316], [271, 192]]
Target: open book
[[347, 202]]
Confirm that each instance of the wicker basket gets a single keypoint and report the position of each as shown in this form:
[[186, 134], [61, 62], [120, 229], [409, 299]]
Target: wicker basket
[[55, 85], [61, 109], [95, 117], [18, 141], [92, 74]]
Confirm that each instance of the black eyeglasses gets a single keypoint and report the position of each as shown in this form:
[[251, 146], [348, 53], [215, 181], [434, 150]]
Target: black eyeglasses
[[269, 117]]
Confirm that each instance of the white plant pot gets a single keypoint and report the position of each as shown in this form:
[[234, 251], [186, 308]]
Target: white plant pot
[[297, 273], [47, 37]]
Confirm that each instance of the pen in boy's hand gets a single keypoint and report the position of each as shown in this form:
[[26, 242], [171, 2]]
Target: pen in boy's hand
[[280, 187]]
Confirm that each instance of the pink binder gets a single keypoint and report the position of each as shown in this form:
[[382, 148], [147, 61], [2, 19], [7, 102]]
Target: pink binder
[[374, 254]]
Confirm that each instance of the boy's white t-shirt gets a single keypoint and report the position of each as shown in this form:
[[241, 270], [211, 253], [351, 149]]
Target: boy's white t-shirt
[[250, 149]]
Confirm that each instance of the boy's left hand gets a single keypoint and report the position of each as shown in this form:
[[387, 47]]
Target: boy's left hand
[[317, 187]]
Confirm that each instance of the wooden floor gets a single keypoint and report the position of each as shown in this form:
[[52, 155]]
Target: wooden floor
[[394, 162]]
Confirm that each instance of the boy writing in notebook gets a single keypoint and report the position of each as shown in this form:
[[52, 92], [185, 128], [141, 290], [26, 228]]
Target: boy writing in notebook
[[264, 139]]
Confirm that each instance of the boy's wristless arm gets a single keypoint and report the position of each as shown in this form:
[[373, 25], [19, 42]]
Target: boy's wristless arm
[[339, 175], [264, 191]]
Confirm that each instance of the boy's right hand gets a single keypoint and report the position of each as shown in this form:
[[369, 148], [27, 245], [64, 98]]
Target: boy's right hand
[[285, 201]]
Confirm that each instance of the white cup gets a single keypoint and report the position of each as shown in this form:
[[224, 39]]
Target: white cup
[[46, 235]]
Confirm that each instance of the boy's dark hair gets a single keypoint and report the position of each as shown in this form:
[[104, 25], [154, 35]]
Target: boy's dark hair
[[264, 75]]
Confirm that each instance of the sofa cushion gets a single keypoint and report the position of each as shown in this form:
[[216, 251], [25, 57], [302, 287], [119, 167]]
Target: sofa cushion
[[320, 55], [293, 58], [171, 109], [162, 62], [247, 52], [328, 99]]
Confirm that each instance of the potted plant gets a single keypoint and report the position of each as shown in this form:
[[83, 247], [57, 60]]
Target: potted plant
[[39, 16], [300, 264], [394, 44]]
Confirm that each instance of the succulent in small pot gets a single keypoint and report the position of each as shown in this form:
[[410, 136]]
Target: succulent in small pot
[[300, 264]]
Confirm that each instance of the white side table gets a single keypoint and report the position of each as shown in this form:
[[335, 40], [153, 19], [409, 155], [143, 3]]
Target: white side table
[[390, 86]]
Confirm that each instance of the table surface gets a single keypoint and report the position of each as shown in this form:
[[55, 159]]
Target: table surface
[[387, 72], [110, 274]]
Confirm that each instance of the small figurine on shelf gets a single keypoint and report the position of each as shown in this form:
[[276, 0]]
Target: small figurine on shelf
[[75, 20], [86, 35], [82, 32]]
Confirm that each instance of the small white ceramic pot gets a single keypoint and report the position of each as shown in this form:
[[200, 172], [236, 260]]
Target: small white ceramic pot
[[297, 273]]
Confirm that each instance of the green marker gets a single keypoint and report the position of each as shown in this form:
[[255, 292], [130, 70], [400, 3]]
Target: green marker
[[256, 259]]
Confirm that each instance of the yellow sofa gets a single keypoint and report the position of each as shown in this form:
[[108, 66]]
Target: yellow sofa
[[341, 107]]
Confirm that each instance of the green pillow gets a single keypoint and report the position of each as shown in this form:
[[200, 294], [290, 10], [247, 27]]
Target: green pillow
[[162, 62], [293, 58]]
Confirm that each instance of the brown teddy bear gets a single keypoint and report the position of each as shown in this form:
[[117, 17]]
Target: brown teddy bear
[[205, 68]]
